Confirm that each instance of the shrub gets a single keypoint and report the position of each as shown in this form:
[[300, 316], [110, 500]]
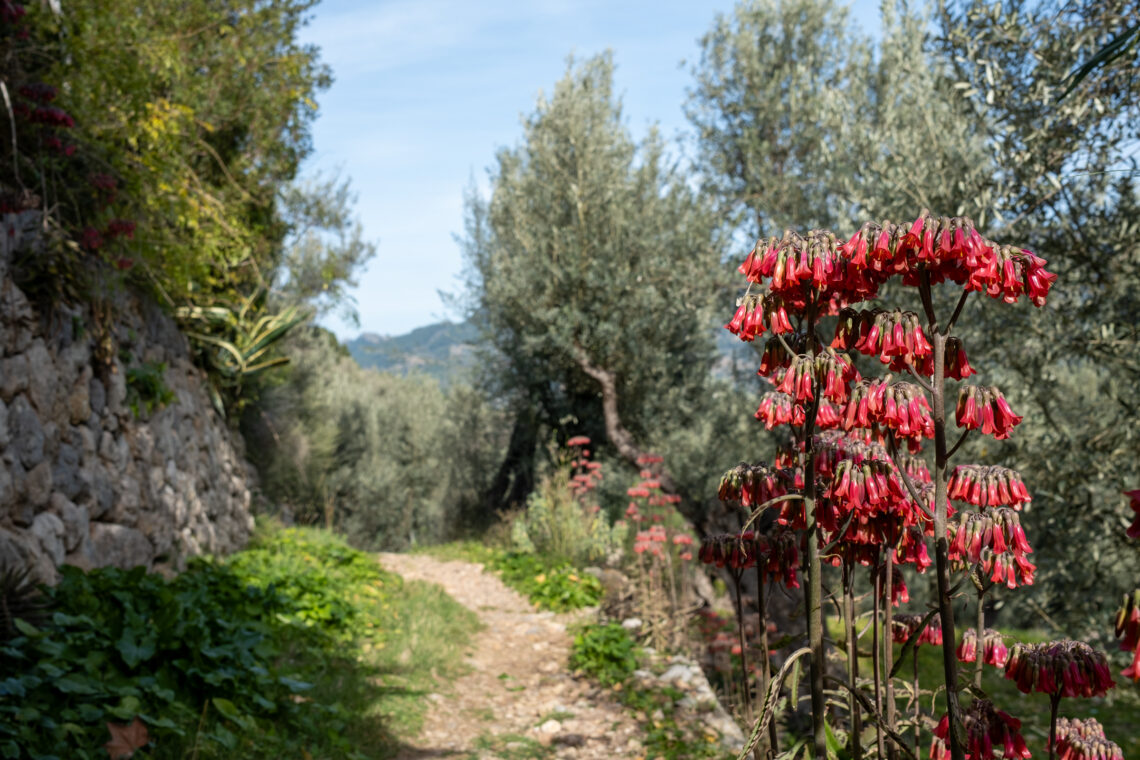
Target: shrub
[[605, 652]]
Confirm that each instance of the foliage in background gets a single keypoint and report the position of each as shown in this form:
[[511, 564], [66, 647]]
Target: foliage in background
[[563, 521], [1067, 187], [188, 119], [964, 119], [390, 461], [592, 267], [606, 653]]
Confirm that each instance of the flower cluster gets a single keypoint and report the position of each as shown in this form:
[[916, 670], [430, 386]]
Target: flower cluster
[[896, 337], [683, 541], [990, 733], [1067, 668], [985, 407], [651, 540], [904, 626], [995, 540], [1128, 627], [776, 553], [994, 650], [987, 486], [752, 485], [950, 249], [900, 407], [833, 371], [586, 473], [1084, 740]]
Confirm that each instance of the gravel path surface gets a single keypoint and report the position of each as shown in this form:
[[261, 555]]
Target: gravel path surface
[[519, 689]]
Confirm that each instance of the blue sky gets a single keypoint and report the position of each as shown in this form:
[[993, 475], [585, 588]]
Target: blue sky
[[427, 90]]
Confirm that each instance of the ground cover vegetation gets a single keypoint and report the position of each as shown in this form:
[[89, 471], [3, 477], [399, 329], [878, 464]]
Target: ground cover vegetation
[[298, 646]]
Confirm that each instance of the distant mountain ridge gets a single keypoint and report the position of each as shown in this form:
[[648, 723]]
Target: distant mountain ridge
[[444, 351]]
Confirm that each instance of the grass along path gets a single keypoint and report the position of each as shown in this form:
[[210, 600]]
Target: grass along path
[[517, 700]]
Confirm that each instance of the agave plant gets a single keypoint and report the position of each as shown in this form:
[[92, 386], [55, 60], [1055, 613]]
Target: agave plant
[[20, 599], [234, 341]]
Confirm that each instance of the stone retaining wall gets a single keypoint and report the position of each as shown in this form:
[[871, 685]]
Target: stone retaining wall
[[85, 481]]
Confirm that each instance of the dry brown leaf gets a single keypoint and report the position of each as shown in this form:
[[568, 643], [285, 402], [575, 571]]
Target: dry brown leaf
[[126, 739]]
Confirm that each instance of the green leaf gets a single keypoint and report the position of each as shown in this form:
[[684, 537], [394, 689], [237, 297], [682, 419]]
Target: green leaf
[[75, 684], [226, 708], [26, 628], [133, 651]]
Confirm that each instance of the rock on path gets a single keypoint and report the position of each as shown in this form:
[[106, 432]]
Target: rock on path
[[519, 684]]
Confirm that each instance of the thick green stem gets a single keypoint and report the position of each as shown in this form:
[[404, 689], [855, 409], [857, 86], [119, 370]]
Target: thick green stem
[[941, 541], [855, 738], [813, 594], [747, 678], [814, 600], [917, 706], [980, 648], [1054, 703], [889, 644], [765, 664], [876, 656]]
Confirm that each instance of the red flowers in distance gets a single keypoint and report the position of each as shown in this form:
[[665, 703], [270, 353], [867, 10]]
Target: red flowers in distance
[[994, 650], [904, 626]]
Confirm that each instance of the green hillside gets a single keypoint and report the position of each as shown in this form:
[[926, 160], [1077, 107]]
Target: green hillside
[[444, 351]]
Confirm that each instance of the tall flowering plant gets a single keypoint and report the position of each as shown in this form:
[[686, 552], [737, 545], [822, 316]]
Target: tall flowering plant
[[852, 478], [662, 553]]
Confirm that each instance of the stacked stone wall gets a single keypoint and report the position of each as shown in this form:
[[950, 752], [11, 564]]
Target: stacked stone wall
[[84, 480]]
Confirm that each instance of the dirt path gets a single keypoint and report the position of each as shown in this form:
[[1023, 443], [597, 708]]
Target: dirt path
[[519, 690]]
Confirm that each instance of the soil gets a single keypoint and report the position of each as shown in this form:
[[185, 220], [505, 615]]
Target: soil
[[519, 690]]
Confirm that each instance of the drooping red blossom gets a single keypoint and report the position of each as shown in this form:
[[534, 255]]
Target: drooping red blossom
[[38, 92], [577, 441], [904, 626], [775, 551], [51, 116], [119, 228], [990, 734], [895, 337], [1067, 668], [90, 239], [1128, 630], [985, 407], [994, 530], [11, 12], [987, 486], [779, 409], [1084, 740], [1134, 503], [994, 650], [900, 407]]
